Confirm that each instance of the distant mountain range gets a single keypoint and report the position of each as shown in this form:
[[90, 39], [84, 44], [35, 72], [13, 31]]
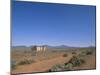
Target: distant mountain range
[[60, 46], [19, 46], [48, 46]]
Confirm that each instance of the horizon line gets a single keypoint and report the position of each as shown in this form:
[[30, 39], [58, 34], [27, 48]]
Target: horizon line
[[54, 45]]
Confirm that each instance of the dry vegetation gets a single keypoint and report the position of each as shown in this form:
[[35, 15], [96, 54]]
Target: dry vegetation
[[24, 61]]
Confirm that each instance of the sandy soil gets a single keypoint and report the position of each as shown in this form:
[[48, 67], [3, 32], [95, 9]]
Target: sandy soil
[[42, 66], [44, 62]]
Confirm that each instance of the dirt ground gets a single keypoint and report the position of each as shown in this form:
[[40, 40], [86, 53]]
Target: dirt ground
[[44, 62], [42, 66]]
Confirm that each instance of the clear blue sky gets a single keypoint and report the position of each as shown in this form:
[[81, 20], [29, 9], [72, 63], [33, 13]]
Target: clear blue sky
[[52, 24]]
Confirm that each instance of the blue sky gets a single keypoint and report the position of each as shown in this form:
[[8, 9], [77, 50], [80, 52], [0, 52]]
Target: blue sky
[[36, 23]]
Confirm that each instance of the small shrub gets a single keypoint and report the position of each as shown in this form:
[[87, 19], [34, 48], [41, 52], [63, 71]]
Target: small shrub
[[55, 68], [76, 61], [65, 55], [58, 67], [88, 52], [68, 67], [82, 61], [13, 65], [61, 67], [25, 62]]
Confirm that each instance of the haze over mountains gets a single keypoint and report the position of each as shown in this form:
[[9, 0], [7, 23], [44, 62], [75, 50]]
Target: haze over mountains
[[48, 46]]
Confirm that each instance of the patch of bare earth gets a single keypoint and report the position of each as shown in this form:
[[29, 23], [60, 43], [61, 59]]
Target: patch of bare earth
[[42, 66]]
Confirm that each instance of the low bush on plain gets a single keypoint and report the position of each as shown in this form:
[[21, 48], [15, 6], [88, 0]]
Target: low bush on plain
[[61, 67], [25, 62], [86, 52], [55, 68], [13, 65], [68, 67], [76, 61], [89, 52], [65, 55]]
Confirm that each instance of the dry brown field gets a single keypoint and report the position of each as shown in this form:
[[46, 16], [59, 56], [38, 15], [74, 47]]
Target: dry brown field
[[52, 60]]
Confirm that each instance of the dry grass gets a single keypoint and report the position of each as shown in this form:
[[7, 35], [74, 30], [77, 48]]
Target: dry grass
[[43, 62]]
